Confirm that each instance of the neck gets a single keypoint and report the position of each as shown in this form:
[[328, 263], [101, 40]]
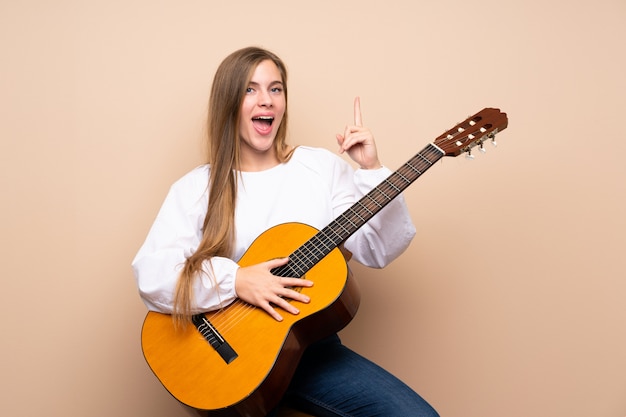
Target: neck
[[258, 162]]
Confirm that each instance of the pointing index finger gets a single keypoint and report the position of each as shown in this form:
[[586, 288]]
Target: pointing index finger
[[357, 112]]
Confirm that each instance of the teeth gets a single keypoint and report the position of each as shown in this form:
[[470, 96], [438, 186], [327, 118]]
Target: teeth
[[264, 118]]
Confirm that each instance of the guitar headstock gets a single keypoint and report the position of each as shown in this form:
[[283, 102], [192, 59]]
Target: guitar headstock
[[474, 131]]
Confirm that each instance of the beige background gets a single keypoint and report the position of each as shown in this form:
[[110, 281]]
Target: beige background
[[509, 302]]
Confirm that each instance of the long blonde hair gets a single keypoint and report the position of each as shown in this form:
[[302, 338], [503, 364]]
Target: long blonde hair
[[218, 234]]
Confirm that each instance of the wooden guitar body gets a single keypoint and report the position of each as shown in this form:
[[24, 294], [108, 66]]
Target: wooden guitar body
[[267, 351]]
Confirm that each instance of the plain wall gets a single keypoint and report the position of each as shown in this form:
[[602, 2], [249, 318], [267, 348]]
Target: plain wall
[[510, 301]]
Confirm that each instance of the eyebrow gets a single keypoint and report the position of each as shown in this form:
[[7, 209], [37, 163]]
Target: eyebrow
[[254, 83]]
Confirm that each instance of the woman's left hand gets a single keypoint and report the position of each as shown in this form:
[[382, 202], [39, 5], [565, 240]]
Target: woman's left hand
[[358, 142]]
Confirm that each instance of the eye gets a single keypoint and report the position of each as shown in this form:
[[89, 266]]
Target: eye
[[249, 90], [277, 90]]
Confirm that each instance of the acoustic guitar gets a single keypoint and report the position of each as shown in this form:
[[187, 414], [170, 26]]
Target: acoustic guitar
[[238, 360]]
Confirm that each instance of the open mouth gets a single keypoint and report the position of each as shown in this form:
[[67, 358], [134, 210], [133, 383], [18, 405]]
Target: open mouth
[[263, 120]]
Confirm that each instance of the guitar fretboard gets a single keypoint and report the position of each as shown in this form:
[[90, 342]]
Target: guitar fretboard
[[340, 229]]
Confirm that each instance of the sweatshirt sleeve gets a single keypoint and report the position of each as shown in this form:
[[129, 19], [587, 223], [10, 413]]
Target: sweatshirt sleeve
[[388, 233], [174, 236]]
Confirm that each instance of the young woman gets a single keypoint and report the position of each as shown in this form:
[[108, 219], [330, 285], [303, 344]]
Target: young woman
[[254, 180]]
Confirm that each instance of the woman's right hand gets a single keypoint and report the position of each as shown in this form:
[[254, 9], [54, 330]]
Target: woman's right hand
[[256, 285]]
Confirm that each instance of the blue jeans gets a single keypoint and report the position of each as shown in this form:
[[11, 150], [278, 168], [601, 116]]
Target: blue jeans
[[333, 381]]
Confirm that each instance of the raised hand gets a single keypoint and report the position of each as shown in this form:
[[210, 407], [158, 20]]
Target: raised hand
[[358, 141]]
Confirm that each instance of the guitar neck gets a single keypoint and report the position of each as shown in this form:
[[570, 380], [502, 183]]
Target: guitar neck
[[340, 229]]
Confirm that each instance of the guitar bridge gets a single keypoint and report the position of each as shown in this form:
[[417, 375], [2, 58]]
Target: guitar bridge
[[215, 339]]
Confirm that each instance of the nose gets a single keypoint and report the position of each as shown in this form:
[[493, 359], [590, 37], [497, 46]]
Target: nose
[[265, 99]]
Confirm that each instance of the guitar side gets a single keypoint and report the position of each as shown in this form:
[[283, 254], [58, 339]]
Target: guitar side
[[267, 351]]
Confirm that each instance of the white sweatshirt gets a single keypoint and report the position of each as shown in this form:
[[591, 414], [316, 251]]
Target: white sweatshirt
[[314, 187]]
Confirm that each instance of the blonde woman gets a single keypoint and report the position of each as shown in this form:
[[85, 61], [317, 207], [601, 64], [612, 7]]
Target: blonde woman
[[254, 180]]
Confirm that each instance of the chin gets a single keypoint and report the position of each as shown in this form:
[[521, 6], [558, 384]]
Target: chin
[[263, 145]]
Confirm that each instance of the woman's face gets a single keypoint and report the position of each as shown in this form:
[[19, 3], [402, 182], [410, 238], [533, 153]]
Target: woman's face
[[262, 112]]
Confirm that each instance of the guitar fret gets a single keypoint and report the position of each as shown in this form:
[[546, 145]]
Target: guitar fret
[[403, 177], [414, 169], [339, 225], [299, 263], [366, 209], [423, 158], [324, 242], [306, 259], [289, 270], [356, 213], [393, 185], [373, 200], [386, 196], [297, 268], [327, 248], [330, 228], [347, 230], [350, 221]]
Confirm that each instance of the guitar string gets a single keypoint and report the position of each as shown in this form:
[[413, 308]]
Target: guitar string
[[322, 243], [304, 260], [221, 318]]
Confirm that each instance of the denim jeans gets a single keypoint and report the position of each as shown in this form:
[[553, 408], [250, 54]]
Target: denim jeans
[[333, 381]]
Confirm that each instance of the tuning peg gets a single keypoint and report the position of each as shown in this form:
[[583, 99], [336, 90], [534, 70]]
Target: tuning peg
[[493, 140], [482, 147], [469, 155]]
